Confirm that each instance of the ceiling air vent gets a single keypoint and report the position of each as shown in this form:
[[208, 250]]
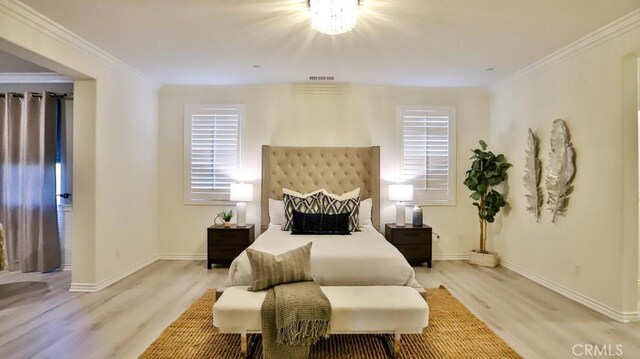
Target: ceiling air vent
[[321, 78]]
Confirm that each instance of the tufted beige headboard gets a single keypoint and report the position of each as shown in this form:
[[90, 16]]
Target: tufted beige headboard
[[305, 169]]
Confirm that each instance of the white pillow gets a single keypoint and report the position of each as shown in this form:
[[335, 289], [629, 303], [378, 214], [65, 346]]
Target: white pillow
[[348, 195], [276, 212], [298, 194], [364, 215]]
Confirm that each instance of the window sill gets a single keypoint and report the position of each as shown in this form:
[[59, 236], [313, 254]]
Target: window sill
[[210, 203], [432, 204]]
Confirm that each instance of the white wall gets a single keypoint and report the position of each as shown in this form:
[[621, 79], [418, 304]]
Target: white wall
[[592, 252], [115, 217], [65, 223], [126, 175], [295, 116]]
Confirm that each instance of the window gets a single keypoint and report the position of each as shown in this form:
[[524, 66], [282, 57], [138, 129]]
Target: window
[[64, 150], [426, 153], [212, 151]]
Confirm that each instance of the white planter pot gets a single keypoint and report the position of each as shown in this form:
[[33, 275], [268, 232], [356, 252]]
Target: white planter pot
[[490, 259]]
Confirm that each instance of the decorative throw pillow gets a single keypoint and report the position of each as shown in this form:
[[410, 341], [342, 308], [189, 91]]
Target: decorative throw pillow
[[351, 194], [364, 215], [336, 206], [268, 270], [320, 223], [276, 212], [309, 204], [285, 190]]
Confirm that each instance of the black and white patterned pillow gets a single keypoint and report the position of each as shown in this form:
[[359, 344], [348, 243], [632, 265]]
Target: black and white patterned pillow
[[309, 204], [335, 206]]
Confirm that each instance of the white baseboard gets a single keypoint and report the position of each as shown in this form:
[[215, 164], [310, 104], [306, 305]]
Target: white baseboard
[[451, 256], [66, 267], [94, 287], [183, 256], [624, 317]]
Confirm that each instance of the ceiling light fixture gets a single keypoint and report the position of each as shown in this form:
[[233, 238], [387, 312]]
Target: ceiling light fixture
[[333, 17]]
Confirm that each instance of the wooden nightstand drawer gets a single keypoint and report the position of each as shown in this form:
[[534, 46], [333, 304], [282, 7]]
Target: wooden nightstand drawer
[[224, 244], [231, 238], [413, 242], [410, 237], [224, 253], [414, 251]]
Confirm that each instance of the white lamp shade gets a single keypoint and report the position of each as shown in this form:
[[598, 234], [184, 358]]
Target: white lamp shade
[[400, 192], [241, 192]]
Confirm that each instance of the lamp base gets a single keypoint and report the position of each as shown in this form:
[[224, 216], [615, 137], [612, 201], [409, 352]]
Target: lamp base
[[241, 208], [399, 214]]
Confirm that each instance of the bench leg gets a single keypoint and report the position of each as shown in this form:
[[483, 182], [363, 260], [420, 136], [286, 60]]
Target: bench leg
[[396, 344], [243, 344], [392, 344]]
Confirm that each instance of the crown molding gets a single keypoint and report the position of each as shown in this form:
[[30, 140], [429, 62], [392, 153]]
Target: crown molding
[[34, 78], [319, 89], [35, 20], [605, 33]]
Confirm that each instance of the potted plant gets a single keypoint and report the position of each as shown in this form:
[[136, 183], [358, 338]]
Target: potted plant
[[487, 170], [225, 216]]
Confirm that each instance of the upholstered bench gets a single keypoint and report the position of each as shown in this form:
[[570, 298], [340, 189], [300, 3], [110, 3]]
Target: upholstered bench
[[354, 310]]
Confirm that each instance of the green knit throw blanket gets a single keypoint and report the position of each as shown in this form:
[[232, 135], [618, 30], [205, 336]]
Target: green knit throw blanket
[[294, 317]]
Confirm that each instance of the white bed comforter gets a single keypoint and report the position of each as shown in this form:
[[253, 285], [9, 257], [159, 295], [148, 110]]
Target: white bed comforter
[[362, 258]]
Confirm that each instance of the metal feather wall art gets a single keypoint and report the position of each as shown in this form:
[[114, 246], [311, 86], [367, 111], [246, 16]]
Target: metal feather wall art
[[532, 173], [561, 170]]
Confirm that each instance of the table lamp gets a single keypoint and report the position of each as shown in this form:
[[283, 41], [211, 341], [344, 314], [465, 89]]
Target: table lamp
[[241, 193], [400, 193]]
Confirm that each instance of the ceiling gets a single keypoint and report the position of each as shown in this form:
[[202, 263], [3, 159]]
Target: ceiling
[[408, 42], [13, 64]]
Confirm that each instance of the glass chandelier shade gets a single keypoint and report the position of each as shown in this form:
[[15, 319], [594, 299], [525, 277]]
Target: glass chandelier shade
[[333, 17]]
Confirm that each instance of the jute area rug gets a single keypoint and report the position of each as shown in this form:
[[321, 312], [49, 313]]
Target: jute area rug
[[453, 332]]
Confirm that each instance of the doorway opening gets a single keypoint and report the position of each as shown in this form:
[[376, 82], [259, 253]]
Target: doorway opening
[[21, 79]]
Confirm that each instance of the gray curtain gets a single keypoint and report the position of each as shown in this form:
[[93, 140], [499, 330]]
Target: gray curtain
[[27, 171]]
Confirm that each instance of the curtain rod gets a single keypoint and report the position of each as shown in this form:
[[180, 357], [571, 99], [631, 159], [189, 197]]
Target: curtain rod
[[66, 96]]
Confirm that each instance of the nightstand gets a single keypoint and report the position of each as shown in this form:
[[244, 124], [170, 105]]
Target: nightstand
[[224, 244], [413, 242]]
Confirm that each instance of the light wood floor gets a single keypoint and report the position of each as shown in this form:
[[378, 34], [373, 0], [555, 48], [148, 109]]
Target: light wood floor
[[39, 318]]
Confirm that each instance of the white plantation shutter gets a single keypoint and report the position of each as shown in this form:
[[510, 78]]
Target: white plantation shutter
[[212, 151], [426, 155]]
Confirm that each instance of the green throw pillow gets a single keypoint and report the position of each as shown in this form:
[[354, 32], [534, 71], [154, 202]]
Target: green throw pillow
[[268, 270]]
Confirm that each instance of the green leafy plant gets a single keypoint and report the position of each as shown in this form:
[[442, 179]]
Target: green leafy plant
[[487, 170], [226, 215]]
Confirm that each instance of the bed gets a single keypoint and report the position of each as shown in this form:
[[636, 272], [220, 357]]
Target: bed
[[364, 258], [367, 280]]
